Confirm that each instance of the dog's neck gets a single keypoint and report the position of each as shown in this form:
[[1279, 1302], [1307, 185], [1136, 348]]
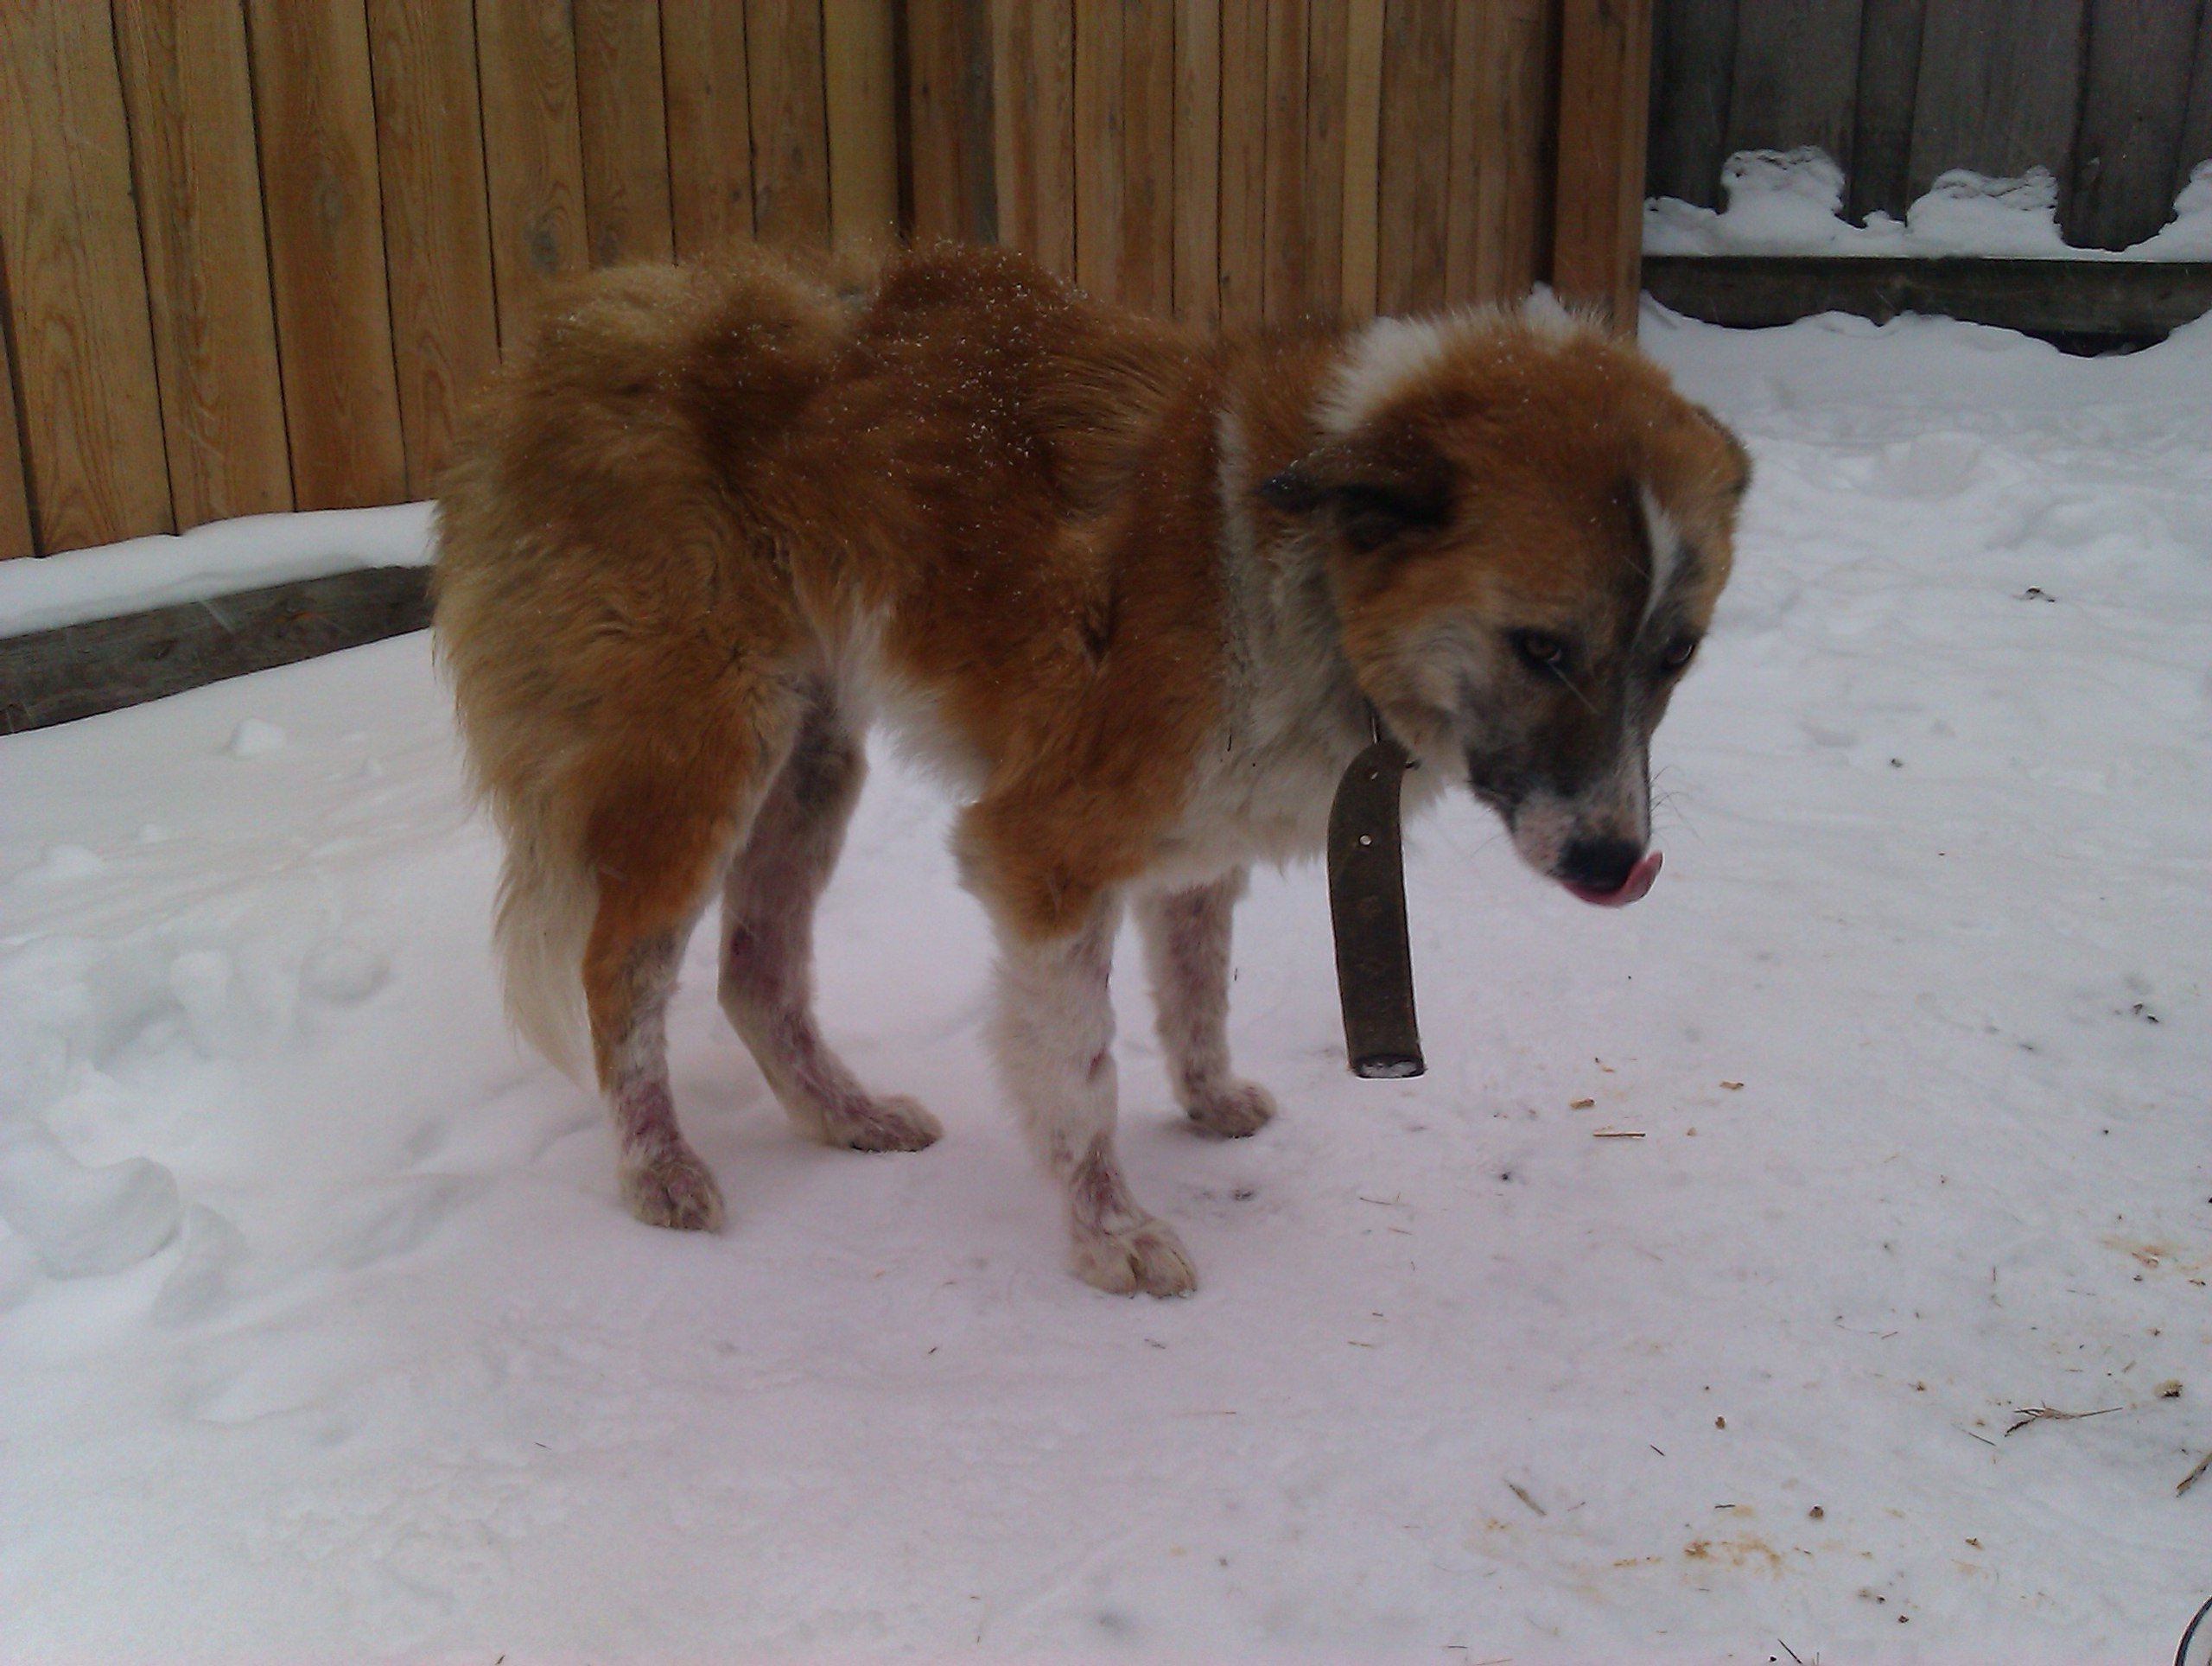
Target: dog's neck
[[1291, 690]]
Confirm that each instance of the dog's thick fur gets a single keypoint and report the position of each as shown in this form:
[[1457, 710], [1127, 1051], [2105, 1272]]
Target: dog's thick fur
[[1138, 592]]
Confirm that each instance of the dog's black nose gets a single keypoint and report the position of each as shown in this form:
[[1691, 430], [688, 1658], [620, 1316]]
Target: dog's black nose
[[1599, 864]]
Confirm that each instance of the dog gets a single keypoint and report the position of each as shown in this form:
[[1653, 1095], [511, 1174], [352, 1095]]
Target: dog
[[1138, 592]]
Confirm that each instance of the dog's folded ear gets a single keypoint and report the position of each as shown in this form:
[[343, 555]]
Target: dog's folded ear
[[1739, 458], [1373, 493]]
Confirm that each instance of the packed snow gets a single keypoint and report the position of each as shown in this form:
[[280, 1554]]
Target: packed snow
[[326, 1338], [1790, 202]]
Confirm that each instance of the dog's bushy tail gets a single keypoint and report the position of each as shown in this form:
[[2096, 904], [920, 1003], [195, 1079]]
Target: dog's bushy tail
[[547, 900]]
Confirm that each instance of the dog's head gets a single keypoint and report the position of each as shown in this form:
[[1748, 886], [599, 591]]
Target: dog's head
[[1526, 528]]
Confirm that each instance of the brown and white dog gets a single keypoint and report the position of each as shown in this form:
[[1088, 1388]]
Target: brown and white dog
[[1140, 593]]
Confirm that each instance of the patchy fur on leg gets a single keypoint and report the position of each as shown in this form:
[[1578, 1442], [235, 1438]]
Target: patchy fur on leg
[[767, 959], [1186, 951], [1053, 1033], [663, 1181]]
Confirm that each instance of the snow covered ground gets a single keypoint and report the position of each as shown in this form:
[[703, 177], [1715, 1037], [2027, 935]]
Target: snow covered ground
[[1914, 1030]]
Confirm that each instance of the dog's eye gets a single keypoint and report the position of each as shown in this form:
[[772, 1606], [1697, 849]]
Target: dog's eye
[[1540, 652], [1680, 652]]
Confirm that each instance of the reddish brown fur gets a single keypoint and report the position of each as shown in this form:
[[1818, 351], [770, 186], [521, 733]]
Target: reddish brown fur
[[706, 502]]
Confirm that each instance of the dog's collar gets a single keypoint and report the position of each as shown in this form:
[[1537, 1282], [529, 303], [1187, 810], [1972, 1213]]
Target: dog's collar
[[1367, 910]]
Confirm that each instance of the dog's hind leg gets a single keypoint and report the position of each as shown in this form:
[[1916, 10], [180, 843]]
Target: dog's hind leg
[[1054, 1031], [655, 840], [767, 949], [1186, 951]]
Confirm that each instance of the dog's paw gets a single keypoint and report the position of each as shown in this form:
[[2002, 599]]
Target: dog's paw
[[1146, 1258], [895, 1123], [1231, 1110], [669, 1186]]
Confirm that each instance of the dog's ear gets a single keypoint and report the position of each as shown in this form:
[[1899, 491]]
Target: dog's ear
[[1738, 458], [1374, 494]]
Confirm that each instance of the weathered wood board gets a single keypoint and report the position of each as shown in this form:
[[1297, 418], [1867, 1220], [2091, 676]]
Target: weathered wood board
[[80, 671]]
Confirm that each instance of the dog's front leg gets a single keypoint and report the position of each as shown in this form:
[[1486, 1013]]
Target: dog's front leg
[[1186, 950], [1054, 1037]]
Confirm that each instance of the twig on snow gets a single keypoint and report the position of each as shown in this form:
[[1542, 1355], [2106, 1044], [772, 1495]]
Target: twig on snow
[[1520, 1493], [2051, 1414], [2190, 1480]]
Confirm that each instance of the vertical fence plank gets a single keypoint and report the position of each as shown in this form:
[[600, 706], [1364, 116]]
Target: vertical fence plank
[[326, 251], [710, 123], [624, 127], [1500, 123], [949, 105], [1476, 32], [1889, 79], [1198, 161], [1363, 139], [1099, 106], [533, 155], [1999, 88], [15, 538], [1243, 236], [189, 92], [1416, 162], [2133, 110], [1283, 281], [1694, 68], [1033, 119], [1796, 77], [1604, 77], [76, 281], [1515, 248], [790, 137], [858, 47], [1148, 158], [1328, 65], [2196, 124], [437, 237]]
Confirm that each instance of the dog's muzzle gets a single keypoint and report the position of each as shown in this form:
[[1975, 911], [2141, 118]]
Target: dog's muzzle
[[1627, 884]]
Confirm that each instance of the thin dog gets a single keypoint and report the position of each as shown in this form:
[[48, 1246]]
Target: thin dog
[[1138, 592]]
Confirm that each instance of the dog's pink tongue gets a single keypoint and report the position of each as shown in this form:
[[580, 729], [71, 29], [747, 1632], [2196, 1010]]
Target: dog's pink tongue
[[1637, 882]]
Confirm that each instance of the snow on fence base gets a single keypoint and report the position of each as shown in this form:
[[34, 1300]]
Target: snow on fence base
[[77, 671]]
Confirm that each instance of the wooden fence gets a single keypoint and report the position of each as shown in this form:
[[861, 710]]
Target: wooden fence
[[2114, 97], [256, 253]]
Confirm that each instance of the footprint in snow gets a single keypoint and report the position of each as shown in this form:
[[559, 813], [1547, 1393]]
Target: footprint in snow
[[84, 1222], [198, 1287], [342, 973], [62, 864], [254, 738], [397, 1217]]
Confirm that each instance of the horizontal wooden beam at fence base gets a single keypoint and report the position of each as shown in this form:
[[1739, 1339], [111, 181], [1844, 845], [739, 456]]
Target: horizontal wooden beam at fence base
[[80, 671], [2085, 306]]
